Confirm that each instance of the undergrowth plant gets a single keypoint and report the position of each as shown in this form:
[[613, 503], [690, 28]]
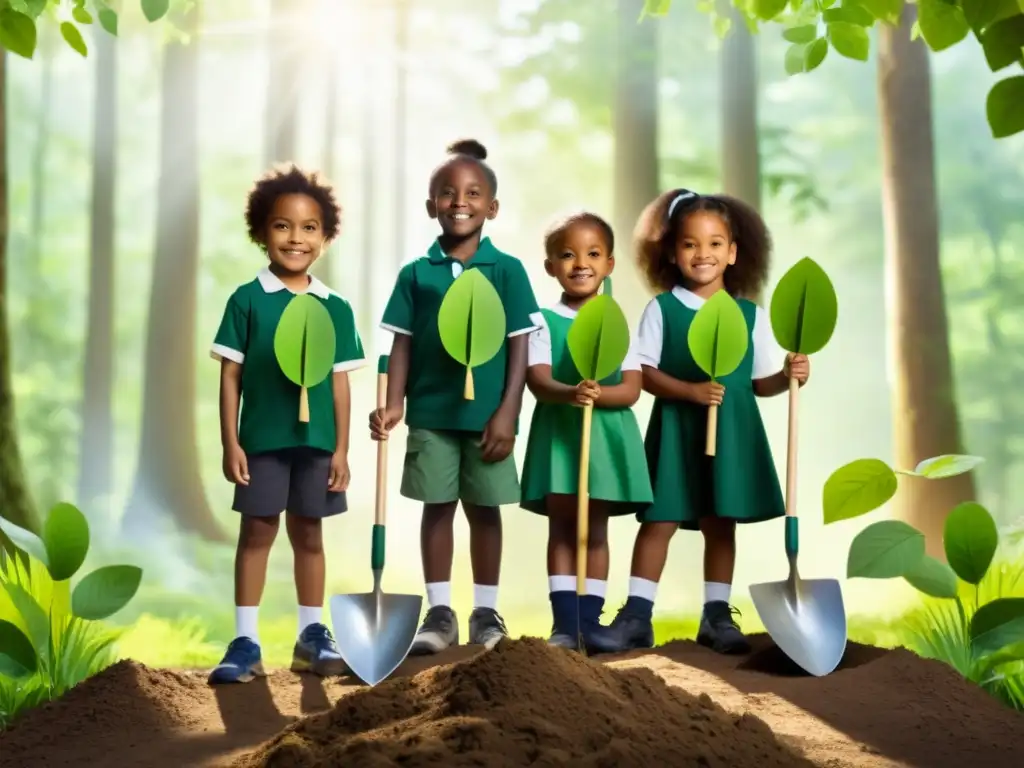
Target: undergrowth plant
[[51, 635], [977, 630]]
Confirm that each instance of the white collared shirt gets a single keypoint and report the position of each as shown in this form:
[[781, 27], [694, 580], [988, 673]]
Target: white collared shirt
[[539, 349]]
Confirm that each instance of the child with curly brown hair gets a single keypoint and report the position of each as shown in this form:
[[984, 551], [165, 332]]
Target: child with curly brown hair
[[278, 463], [689, 247]]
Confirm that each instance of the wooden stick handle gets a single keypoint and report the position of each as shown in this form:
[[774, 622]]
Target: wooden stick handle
[[583, 503], [304, 405], [380, 507], [712, 440], [468, 392], [794, 399]]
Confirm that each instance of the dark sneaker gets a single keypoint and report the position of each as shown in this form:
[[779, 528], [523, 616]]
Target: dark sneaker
[[719, 631], [563, 640], [486, 627], [315, 651], [627, 632], [242, 662], [439, 631]]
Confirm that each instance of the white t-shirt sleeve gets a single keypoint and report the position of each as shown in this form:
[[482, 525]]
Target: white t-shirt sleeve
[[538, 350], [649, 336], [769, 357], [632, 360]]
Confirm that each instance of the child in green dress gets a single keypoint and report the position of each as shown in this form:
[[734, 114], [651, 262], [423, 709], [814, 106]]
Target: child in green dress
[[689, 247], [580, 257], [457, 449]]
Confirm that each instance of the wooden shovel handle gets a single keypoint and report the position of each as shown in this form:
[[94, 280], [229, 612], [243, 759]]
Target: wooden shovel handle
[[379, 508], [583, 503], [794, 397]]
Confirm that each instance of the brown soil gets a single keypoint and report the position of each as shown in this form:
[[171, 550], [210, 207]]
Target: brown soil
[[526, 704]]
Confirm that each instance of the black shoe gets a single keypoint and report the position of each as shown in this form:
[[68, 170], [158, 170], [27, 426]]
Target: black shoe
[[486, 627], [438, 632], [628, 631], [719, 630]]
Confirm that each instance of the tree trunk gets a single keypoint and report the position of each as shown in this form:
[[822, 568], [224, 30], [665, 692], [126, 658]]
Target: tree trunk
[[96, 447], [741, 160], [322, 267], [17, 503], [368, 140], [635, 125], [924, 411], [168, 484], [284, 82], [401, 125]]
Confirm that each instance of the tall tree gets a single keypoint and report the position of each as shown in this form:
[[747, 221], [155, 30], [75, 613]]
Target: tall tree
[[401, 30], [281, 109], [322, 268], [925, 420], [96, 446], [168, 484], [741, 157]]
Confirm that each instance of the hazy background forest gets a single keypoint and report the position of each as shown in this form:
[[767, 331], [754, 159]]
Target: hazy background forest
[[127, 175]]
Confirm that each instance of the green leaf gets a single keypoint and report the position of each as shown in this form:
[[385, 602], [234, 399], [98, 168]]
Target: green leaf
[[804, 308], [17, 656], [25, 540], [851, 13], [768, 9], [81, 15], [155, 9], [942, 23], [471, 319], [598, 338], [795, 61], [815, 54], [885, 550], [718, 336], [33, 8], [932, 578], [655, 8], [105, 591], [947, 465], [997, 624], [66, 536], [979, 14], [849, 40], [884, 10], [805, 33], [17, 33], [73, 37], [34, 617], [857, 488], [1010, 654], [1002, 42], [304, 341], [970, 539], [108, 20], [1004, 107]]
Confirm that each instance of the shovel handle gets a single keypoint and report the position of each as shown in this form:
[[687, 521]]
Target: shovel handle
[[380, 500], [792, 526], [583, 503], [711, 444]]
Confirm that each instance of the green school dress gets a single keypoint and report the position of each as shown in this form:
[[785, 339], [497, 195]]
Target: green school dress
[[740, 482], [618, 469]]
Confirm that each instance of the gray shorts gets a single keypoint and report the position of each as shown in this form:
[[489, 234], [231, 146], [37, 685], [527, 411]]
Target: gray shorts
[[292, 480]]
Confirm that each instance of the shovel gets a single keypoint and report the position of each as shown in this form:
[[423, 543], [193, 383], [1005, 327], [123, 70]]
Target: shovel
[[806, 619], [375, 631]]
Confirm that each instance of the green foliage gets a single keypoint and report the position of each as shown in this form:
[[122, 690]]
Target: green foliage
[[304, 341], [49, 640], [598, 338], [718, 336], [471, 319], [804, 308], [971, 541], [932, 577], [857, 488], [947, 465], [885, 550]]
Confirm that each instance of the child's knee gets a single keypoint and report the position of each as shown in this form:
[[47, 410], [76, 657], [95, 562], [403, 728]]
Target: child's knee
[[437, 514], [481, 516], [718, 529], [257, 533], [306, 534]]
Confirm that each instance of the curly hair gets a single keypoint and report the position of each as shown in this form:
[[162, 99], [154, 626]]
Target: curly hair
[[554, 233], [290, 180], [464, 150], [655, 236]]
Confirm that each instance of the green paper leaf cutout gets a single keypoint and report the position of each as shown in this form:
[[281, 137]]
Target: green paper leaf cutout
[[304, 341], [857, 488], [718, 336], [471, 319], [948, 465], [997, 624], [66, 537], [25, 540], [885, 550], [933, 578], [105, 591], [804, 308], [598, 338], [970, 539], [18, 658]]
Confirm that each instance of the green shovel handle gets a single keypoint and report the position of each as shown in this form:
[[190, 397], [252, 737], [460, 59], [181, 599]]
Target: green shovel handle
[[792, 536], [377, 549]]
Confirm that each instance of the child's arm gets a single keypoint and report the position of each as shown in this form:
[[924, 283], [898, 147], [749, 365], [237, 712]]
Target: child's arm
[[229, 347], [398, 372], [521, 315], [772, 366], [622, 395], [399, 318], [538, 372], [649, 339]]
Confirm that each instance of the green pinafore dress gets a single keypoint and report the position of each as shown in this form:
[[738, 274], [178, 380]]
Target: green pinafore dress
[[740, 482], [618, 470]]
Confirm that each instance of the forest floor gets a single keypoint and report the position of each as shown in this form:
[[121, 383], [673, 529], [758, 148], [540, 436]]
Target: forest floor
[[527, 704]]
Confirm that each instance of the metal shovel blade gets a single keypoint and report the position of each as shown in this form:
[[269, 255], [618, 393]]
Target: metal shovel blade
[[806, 619], [375, 631]]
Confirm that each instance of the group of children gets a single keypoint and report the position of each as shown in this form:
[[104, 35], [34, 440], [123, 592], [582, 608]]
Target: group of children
[[687, 245]]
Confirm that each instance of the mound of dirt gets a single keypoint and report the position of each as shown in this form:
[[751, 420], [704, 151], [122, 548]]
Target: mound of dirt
[[526, 703]]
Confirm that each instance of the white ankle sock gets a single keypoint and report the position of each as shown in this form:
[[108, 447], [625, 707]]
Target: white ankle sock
[[597, 587], [247, 622], [309, 614], [643, 588], [561, 583], [485, 596], [439, 593], [716, 590]]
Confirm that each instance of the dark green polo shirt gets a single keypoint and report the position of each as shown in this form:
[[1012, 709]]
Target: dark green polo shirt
[[269, 420], [434, 393]]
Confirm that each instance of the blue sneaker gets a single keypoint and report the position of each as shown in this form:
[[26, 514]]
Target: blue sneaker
[[242, 662], [315, 651]]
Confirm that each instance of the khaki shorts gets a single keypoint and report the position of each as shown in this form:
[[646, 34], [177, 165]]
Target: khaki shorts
[[443, 466]]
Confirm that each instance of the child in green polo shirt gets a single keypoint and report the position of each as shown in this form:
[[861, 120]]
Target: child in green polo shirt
[[457, 449], [580, 255], [277, 462], [689, 247]]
